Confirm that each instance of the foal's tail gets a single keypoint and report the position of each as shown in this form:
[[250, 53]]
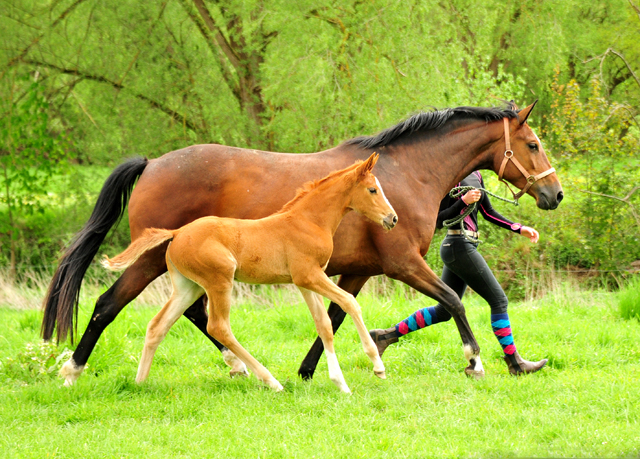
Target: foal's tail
[[150, 239], [61, 301]]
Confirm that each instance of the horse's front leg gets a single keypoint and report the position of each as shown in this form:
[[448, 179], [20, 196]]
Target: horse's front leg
[[323, 326], [348, 283], [417, 274]]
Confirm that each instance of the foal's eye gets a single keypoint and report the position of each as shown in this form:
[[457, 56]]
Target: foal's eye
[[373, 190], [533, 146]]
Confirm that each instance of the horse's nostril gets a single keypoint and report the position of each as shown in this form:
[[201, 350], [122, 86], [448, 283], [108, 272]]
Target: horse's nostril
[[395, 219], [560, 196]]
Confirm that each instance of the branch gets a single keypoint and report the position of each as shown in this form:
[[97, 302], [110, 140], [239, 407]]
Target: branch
[[144, 42], [35, 41], [102, 79], [220, 39], [226, 71], [616, 53], [625, 200], [636, 8]]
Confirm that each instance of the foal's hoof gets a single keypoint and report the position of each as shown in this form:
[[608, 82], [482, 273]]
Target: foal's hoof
[[473, 373], [381, 374], [242, 373], [238, 368]]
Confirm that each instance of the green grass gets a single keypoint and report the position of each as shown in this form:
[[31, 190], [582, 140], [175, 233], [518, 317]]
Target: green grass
[[585, 403], [629, 297]]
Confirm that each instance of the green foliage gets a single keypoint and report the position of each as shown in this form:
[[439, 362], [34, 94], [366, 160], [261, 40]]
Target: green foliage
[[144, 78], [629, 298], [596, 144], [37, 362]]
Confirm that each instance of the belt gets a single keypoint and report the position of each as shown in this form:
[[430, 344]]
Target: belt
[[473, 234]]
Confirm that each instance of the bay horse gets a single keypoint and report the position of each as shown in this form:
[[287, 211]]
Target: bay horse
[[291, 246], [421, 159]]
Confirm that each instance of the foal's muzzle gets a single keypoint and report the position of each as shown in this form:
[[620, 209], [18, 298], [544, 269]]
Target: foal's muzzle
[[390, 221]]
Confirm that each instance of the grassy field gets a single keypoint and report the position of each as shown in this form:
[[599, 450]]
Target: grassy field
[[585, 403]]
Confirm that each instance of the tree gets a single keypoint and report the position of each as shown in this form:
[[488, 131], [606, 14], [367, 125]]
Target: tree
[[31, 152]]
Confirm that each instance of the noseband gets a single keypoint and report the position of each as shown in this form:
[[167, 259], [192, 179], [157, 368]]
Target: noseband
[[508, 155]]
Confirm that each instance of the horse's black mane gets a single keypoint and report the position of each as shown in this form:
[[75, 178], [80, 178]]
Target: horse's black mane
[[433, 120]]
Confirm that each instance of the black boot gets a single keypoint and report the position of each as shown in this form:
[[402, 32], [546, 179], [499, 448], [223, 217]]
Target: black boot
[[518, 366], [383, 338]]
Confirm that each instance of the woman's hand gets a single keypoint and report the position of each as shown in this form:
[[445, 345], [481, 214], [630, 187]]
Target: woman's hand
[[529, 232], [472, 196]]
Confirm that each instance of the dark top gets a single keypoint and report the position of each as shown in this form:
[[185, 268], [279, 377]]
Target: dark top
[[452, 207]]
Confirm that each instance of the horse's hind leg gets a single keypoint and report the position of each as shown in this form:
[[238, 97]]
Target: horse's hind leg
[[417, 274], [185, 292], [126, 288], [323, 326], [197, 315], [219, 294]]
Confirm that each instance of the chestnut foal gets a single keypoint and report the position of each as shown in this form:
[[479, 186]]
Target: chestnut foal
[[291, 246]]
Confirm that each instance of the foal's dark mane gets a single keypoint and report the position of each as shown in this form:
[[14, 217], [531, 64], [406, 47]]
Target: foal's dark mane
[[433, 120]]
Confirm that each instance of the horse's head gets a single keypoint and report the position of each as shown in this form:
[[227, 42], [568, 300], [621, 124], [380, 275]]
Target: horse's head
[[524, 163], [368, 198]]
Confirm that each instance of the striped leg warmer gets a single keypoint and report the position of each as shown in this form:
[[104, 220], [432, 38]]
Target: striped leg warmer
[[502, 329]]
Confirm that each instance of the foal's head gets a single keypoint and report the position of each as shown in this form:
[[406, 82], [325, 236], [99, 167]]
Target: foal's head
[[368, 198]]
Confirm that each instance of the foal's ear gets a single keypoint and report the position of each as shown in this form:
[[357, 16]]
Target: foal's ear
[[525, 112], [366, 166]]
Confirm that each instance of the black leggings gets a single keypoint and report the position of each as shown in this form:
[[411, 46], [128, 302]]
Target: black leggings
[[463, 265]]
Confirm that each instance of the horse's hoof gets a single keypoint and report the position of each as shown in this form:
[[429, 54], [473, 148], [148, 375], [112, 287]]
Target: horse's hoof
[[472, 373], [70, 372], [381, 374], [305, 374]]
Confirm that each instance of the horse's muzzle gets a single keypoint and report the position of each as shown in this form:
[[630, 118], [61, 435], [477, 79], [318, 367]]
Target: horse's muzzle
[[390, 221]]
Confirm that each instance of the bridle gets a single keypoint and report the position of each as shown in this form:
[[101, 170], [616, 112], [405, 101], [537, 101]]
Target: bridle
[[508, 155]]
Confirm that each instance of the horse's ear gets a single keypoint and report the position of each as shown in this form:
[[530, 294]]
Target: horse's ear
[[525, 112], [366, 166]]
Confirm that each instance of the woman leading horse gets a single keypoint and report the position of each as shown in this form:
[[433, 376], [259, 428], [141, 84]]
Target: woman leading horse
[[464, 266], [421, 159]]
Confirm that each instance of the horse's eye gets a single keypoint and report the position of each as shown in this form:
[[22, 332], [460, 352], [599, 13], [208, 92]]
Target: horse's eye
[[373, 190], [533, 146]]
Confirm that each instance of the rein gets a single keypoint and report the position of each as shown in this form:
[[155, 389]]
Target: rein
[[459, 191]]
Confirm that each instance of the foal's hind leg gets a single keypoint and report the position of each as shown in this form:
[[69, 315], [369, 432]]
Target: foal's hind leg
[[219, 293], [197, 315], [323, 326], [185, 292]]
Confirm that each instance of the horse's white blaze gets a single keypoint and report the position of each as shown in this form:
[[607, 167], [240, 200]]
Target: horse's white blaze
[[383, 195], [70, 372]]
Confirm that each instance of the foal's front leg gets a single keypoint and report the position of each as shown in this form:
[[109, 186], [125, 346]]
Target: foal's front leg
[[320, 283], [323, 326]]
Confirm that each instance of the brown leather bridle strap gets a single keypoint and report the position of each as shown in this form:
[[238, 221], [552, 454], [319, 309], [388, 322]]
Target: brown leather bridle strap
[[508, 155]]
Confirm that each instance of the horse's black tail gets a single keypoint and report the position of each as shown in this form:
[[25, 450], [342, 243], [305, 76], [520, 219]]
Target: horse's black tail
[[61, 303]]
